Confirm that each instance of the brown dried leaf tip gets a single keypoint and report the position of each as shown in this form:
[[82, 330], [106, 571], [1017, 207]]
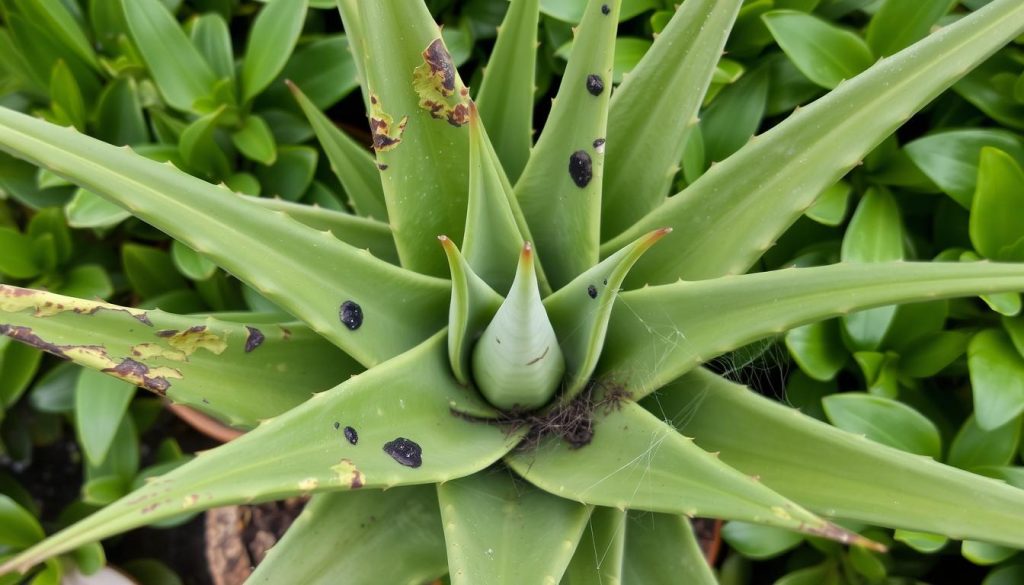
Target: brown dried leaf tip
[[386, 135], [437, 83]]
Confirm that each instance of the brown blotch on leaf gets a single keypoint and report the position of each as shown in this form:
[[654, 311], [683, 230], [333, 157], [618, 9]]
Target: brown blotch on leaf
[[167, 333], [581, 168], [459, 115], [382, 166], [440, 62], [138, 373], [27, 336], [254, 339]]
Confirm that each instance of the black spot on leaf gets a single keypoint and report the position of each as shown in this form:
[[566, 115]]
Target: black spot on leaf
[[581, 168], [254, 339], [351, 315], [351, 435], [592, 291], [595, 85], [605, 9], [337, 425], [599, 145], [404, 451]]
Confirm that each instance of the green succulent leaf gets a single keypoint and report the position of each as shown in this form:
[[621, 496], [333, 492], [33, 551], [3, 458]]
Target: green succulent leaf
[[517, 363], [885, 420], [654, 109], [21, 529], [379, 429], [507, 91], [242, 374], [658, 333], [560, 188], [734, 212], [418, 107], [975, 447], [59, 23], [951, 158], [818, 349], [359, 232], [759, 542], [100, 403], [498, 530], [281, 258], [255, 140], [119, 118], [179, 70], [351, 163], [600, 553], [996, 227], [634, 460], [212, 39], [997, 378], [357, 535], [271, 41], [921, 541], [88, 210], [66, 99], [662, 548], [492, 238], [825, 53], [580, 312], [735, 115], [899, 24], [837, 473], [473, 305]]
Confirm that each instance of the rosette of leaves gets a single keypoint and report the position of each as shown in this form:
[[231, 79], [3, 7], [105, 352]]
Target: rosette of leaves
[[510, 404]]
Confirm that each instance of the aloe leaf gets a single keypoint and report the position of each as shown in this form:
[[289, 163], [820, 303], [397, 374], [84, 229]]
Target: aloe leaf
[[472, 306], [271, 41], [492, 238], [506, 92], [656, 106], [371, 309], [580, 312], [662, 548], [517, 362], [418, 105], [498, 530], [360, 232], [560, 188], [599, 555], [237, 372], [352, 20], [179, 70], [378, 430], [362, 538], [634, 460], [658, 333], [736, 210], [351, 163], [837, 473]]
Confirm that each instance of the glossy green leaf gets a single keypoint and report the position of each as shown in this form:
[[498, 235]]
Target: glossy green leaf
[[875, 234], [100, 403], [735, 115], [663, 549], [997, 378], [600, 553], [498, 530], [982, 90], [736, 210], [472, 307], [351, 162], [196, 361], [354, 230], [974, 446], [507, 90], [324, 68], [88, 210], [517, 362], [291, 174], [200, 150], [150, 270], [17, 259], [65, 98], [212, 39], [619, 468], [279, 257], [190, 263], [357, 537], [574, 10], [921, 541], [658, 333], [952, 158], [60, 24], [823, 52], [887, 421], [830, 208], [898, 24], [997, 228], [560, 188], [19, 527], [394, 409], [834, 472], [580, 312], [1006, 575], [424, 150], [983, 553], [255, 140], [654, 109], [818, 349], [271, 41], [759, 542], [933, 354], [179, 70]]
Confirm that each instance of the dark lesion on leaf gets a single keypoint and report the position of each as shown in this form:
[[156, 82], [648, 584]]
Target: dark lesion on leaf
[[138, 373], [405, 451], [437, 83], [385, 133], [254, 339]]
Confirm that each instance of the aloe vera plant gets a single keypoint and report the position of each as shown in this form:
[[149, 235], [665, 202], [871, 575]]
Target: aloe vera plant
[[518, 397]]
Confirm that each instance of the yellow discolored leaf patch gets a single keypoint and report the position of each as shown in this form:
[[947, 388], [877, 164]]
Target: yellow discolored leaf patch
[[437, 83]]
